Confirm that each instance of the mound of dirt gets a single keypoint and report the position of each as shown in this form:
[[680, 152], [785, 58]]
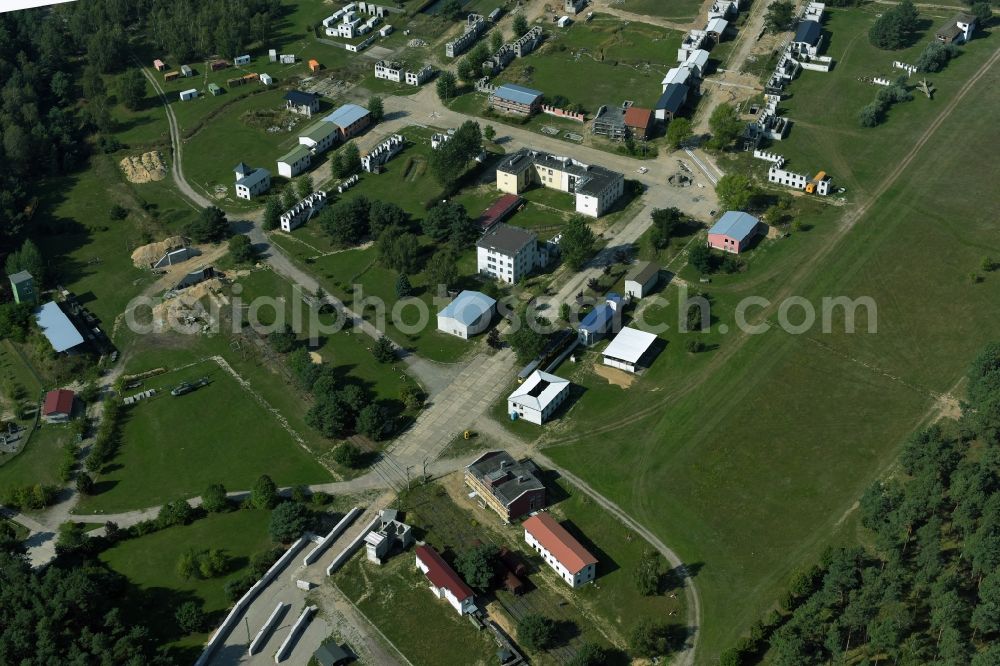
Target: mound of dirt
[[145, 255], [184, 308], [144, 168], [315, 357]]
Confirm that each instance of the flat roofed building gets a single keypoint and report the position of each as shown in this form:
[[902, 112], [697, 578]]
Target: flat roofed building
[[641, 279], [628, 347], [733, 232], [560, 549], [595, 188], [57, 328], [294, 162], [445, 583], [538, 397], [509, 487], [468, 314], [514, 99], [22, 284], [507, 253]]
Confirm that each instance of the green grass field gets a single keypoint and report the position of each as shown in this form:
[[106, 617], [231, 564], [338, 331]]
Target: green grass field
[[396, 598], [749, 458], [174, 447], [39, 461], [149, 563]]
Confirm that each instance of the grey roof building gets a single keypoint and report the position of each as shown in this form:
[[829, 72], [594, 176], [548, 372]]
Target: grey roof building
[[506, 239], [509, 487]]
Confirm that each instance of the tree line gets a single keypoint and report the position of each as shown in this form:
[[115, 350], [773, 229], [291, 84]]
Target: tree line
[[927, 588]]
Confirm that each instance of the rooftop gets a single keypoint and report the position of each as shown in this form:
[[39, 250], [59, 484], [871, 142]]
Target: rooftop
[[300, 98], [19, 277], [506, 477], [506, 239], [808, 32], [295, 154], [630, 344], [253, 177], [642, 272], [697, 58], [638, 117], [555, 539], [591, 179], [673, 97], [242, 169], [717, 25], [499, 210], [347, 115], [57, 327], [517, 94], [539, 390], [58, 402], [468, 307], [320, 131], [735, 224], [441, 574], [597, 320]]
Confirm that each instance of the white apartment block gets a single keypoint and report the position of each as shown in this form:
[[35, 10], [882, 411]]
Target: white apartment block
[[508, 253]]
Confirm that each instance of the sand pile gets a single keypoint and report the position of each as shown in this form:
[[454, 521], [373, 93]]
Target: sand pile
[[185, 310], [145, 255], [144, 168]]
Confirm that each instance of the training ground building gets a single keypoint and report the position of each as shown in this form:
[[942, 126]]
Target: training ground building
[[734, 232], [509, 487], [538, 397], [516, 100], [294, 162], [509, 253], [641, 279], [350, 119], [468, 314], [595, 188], [628, 348], [559, 549], [251, 182], [303, 103], [445, 583]]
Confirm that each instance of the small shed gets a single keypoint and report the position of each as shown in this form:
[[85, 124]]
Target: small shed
[[241, 60], [314, 65], [186, 70], [266, 79], [159, 65], [385, 30], [215, 89], [171, 76], [641, 280], [58, 406], [188, 94], [563, 21], [331, 654], [628, 347], [216, 65]]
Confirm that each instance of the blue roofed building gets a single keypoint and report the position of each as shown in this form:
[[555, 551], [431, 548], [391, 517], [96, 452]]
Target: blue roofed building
[[671, 101], [808, 38], [350, 120], [302, 103], [470, 313], [600, 320], [515, 99], [57, 328], [734, 232]]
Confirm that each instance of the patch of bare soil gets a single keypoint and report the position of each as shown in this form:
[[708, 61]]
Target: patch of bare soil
[[614, 376], [144, 255]]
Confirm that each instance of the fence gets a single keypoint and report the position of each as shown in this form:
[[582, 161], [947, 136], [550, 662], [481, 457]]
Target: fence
[[297, 628], [563, 113], [337, 530], [258, 642], [352, 547]]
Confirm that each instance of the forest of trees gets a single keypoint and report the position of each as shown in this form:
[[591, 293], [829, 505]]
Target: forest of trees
[[927, 591]]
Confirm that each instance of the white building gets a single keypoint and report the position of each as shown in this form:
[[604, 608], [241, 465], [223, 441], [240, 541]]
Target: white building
[[641, 279], [295, 162], [559, 549], [266, 79], [819, 185], [251, 182], [389, 534], [188, 94], [468, 314], [298, 214], [595, 188], [716, 28], [538, 397], [241, 60], [320, 137], [627, 348], [508, 253], [445, 583]]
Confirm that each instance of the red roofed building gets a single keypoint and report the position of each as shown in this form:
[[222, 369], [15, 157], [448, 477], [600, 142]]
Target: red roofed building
[[560, 550], [639, 121], [445, 583], [58, 406], [501, 209]]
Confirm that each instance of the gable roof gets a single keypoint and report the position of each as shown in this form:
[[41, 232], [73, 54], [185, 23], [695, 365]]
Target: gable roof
[[808, 32], [319, 131], [673, 97], [676, 75], [697, 58], [555, 539], [58, 402], [500, 209], [57, 327], [506, 239], [538, 390], [441, 574], [642, 272], [717, 25], [295, 154], [468, 307], [597, 320], [517, 94], [638, 117], [735, 224], [347, 115], [331, 654], [299, 98], [243, 169], [630, 344], [254, 177]]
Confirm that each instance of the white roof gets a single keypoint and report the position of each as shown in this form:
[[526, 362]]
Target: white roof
[[538, 390], [697, 58], [629, 345], [676, 75], [717, 25]]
